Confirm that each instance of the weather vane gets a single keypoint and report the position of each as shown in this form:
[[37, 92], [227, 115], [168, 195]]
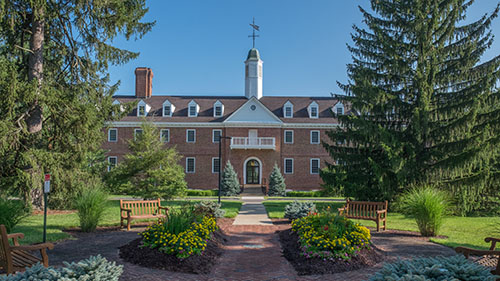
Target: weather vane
[[255, 27]]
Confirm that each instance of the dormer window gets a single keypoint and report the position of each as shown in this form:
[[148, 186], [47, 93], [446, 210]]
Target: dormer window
[[142, 109], [339, 109], [288, 110], [313, 110], [168, 109], [218, 109], [193, 109], [117, 103]]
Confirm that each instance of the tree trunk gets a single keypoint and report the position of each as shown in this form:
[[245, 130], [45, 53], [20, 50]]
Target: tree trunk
[[35, 72]]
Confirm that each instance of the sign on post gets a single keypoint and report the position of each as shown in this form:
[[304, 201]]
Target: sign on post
[[46, 186]]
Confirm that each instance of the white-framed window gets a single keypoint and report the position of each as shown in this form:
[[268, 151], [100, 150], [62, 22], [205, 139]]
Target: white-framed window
[[190, 135], [288, 110], [137, 133], [113, 135], [165, 135], [314, 137], [190, 165], [112, 161], [288, 166], [142, 109], [218, 109], [313, 110], [216, 134], [314, 166], [288, 136], [168, 109], [215, 165], [338, 109], [193, 109]]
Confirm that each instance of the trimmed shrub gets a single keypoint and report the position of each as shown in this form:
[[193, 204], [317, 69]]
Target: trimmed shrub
[[328, 236], [209, 208], [93, 268], [11, 212], [296, 209], [434, 269], [90, 204], [200, 192], [230, 185], [316, 193], [277, 186], [427, 205]]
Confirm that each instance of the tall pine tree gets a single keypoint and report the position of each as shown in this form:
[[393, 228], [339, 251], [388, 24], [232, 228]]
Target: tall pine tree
[[424, 107], [55, 91]]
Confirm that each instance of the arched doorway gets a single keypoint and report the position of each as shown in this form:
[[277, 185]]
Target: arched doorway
[[252, 171]]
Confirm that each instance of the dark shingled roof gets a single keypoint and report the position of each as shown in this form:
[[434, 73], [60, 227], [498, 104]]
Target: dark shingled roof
[[231, 104]]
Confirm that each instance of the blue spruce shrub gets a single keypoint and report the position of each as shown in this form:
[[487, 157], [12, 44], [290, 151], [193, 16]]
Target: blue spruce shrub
[[296, 209], [230, 184], [95, 268], [277, 186], [434, 269]]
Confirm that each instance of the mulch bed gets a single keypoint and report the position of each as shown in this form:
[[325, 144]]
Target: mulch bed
[[310, 266], [152, 258]]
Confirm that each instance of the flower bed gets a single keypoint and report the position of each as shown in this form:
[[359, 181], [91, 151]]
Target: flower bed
[[191, 241], [328, 236]]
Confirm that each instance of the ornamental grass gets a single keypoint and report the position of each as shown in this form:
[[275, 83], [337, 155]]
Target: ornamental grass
[[328, 236], [174, 236]]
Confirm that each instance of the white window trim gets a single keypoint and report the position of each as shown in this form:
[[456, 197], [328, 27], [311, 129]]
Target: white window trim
[[284, 166], [172, 108], [197, 107], [109, 162], [161, 135], [135, 133], [187, 134], [146, 108], [194, 165], [309, 109], [109, 134], [217, 104], [213, 135], [319, 137], [336, 107], [284, 136], [213, 165], [311, 166]]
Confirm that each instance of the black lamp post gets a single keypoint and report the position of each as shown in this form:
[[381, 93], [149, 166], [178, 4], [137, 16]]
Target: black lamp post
[[220, 162]]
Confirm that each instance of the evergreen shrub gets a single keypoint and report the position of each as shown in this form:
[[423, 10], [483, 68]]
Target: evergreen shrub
[[434, 269], [316, 193], [11, 212], [202, 193], [277, 186], [230, 185], [296, 209], [427, 205], [90, 203], [209, 208], [93, 268]]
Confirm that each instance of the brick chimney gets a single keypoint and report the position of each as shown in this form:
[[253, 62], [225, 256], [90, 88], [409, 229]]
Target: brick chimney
[[143, 82]]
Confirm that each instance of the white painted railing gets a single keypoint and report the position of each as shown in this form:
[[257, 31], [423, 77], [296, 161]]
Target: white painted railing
[[253, 143]]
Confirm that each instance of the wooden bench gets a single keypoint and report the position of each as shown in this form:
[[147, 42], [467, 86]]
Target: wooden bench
[[364, 210], [488, 258], [16, 258], [140, 209]]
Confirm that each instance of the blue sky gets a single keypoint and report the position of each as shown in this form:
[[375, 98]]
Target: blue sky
[[197, 47]]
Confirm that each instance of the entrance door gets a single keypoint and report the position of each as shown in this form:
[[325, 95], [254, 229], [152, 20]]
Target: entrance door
[[252, 170]]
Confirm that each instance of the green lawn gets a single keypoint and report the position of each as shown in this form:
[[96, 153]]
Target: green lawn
[[461, 231], [32, 226]]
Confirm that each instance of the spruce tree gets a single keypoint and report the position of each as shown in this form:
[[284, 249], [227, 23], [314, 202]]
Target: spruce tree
[[55, 89], [277, 186], [230, 185], [424, 106], [150, 170]]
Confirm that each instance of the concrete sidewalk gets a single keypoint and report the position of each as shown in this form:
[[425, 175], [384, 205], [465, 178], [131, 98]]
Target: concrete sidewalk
[[252, 212]]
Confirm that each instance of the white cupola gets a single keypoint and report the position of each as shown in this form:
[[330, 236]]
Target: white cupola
[[253, 74]]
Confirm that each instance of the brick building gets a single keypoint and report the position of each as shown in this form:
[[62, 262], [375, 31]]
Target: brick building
[[261, 131]]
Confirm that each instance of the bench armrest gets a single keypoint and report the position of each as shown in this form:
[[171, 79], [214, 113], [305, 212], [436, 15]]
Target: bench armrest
[[14, 237], [493, 241], [125, 210], [35, 247], [342, 210], [382, 212], [163, 208]]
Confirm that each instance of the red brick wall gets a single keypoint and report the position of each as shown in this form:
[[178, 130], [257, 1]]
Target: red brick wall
[[204, 150]]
